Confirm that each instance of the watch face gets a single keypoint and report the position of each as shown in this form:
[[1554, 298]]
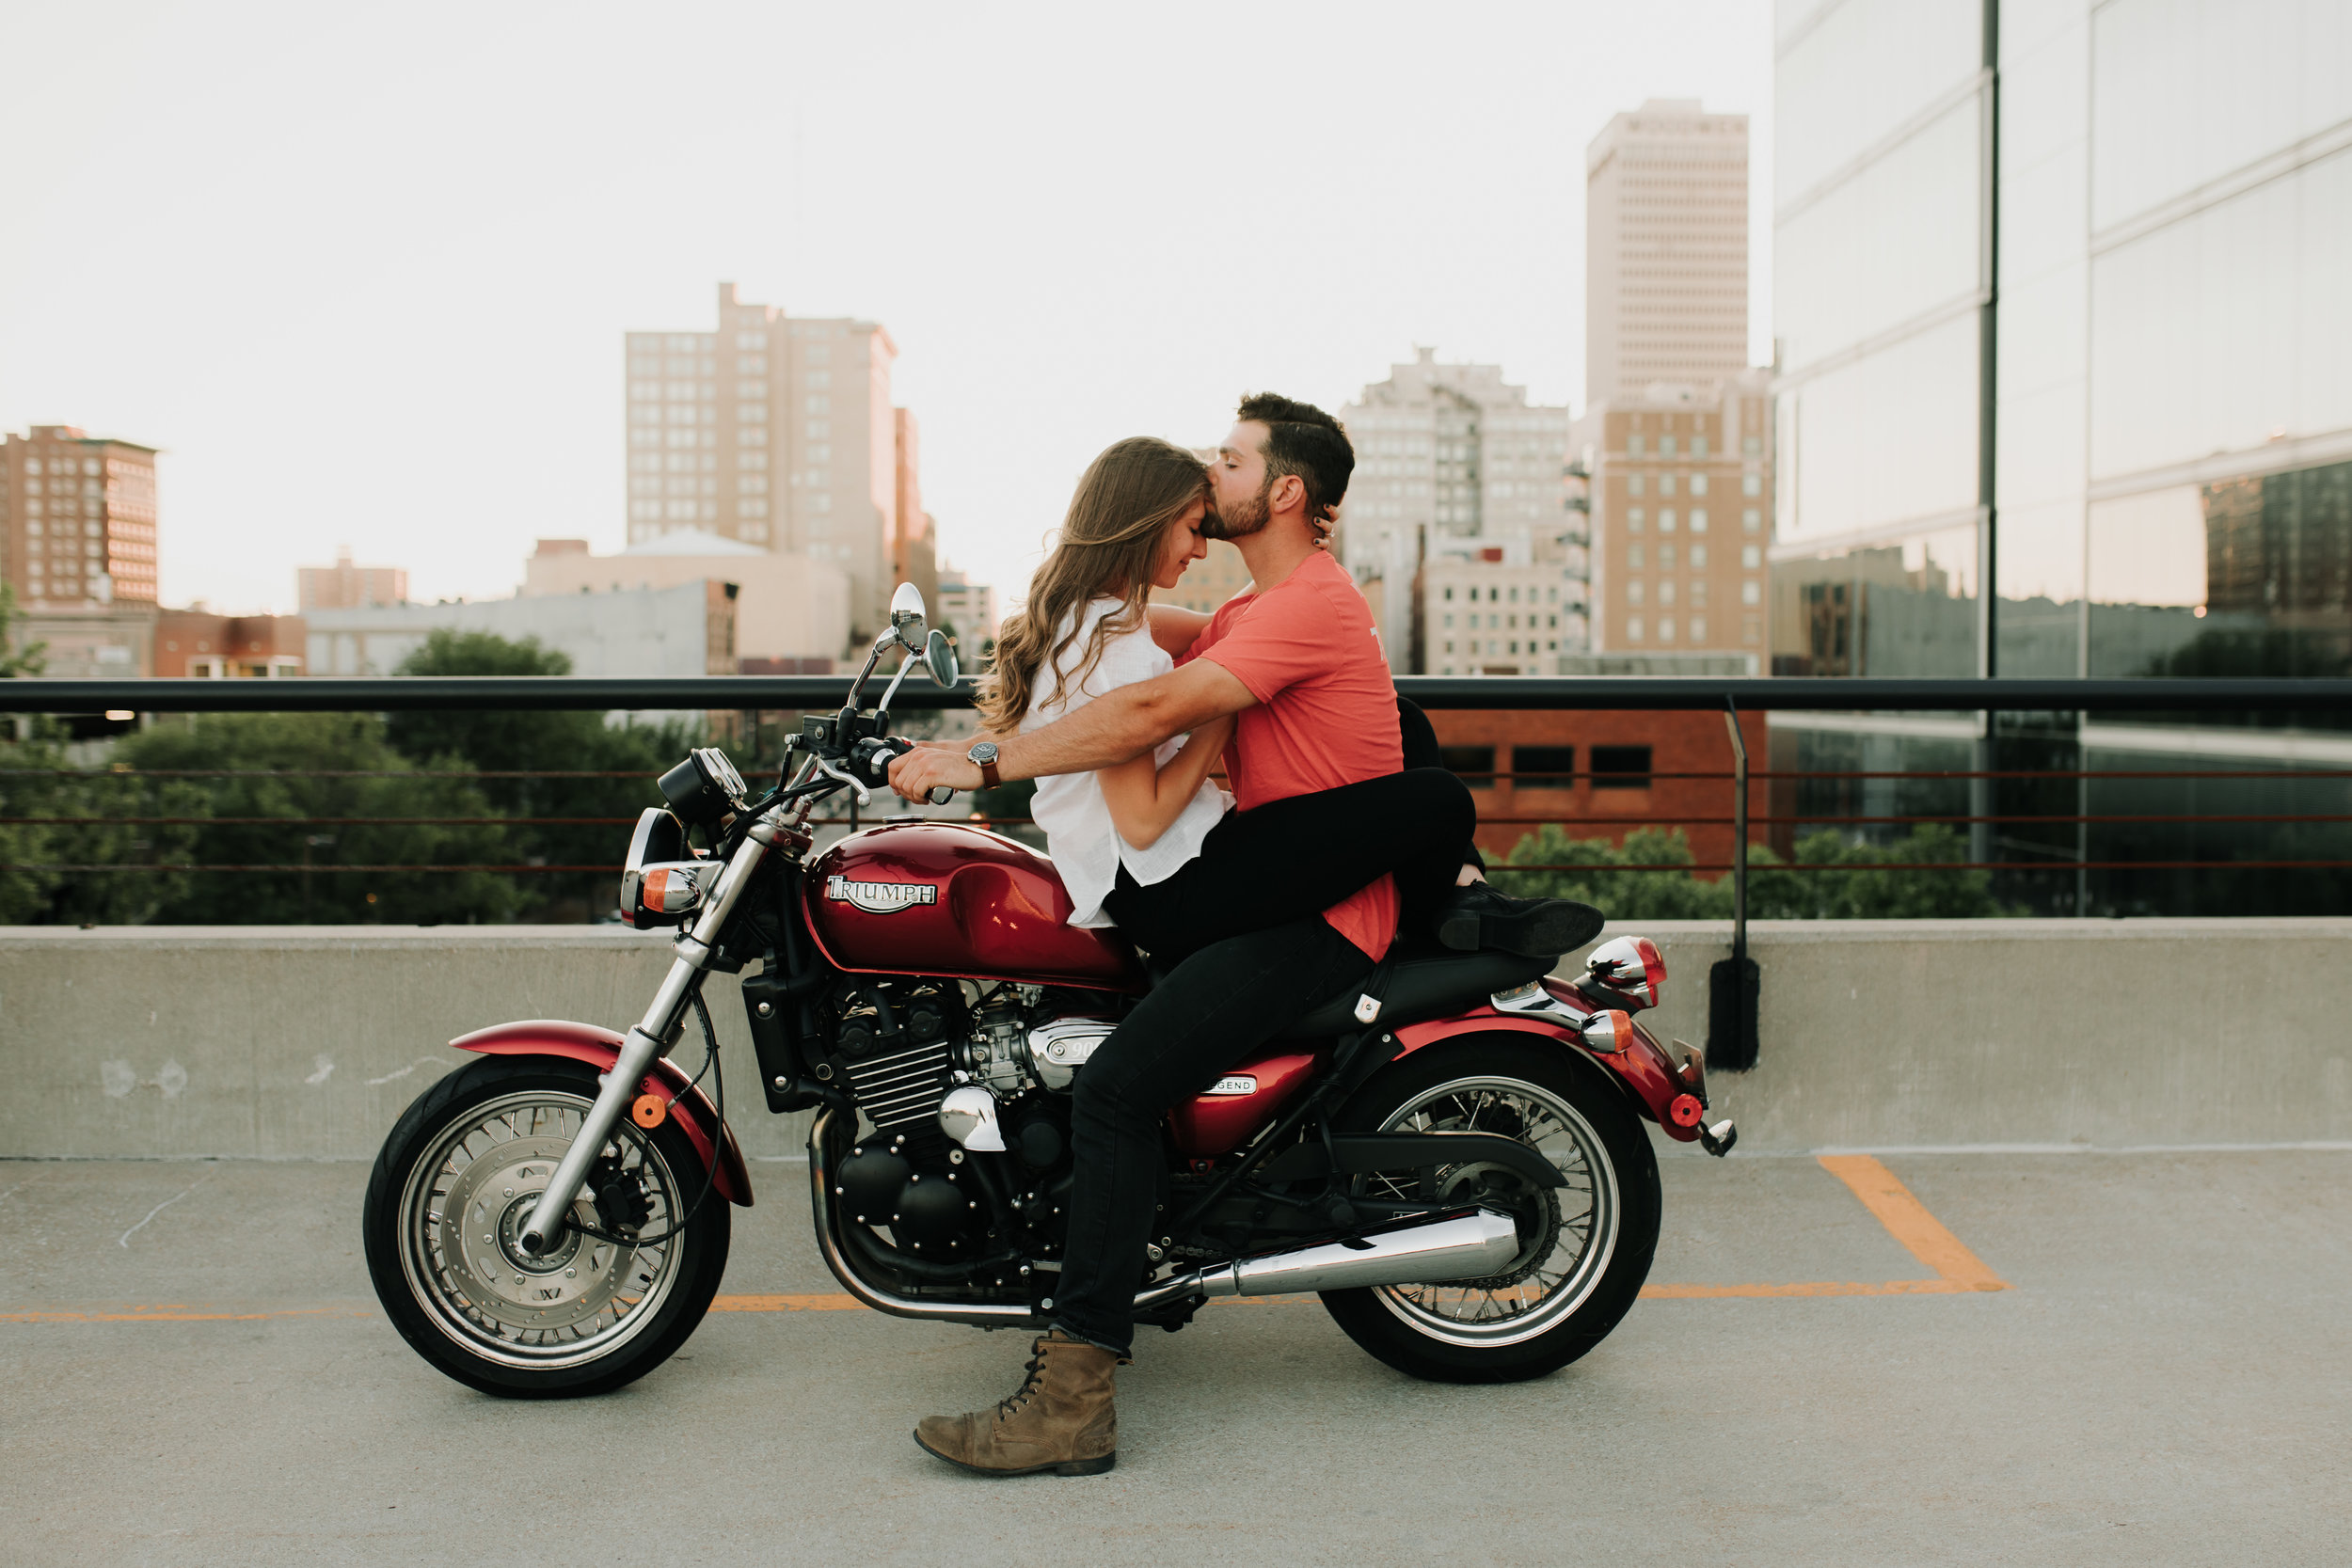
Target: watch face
[[983, 753]]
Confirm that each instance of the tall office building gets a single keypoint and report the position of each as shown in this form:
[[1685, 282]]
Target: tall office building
[[1665, 249], [774, 430], [1453, 464], [78, 520], [2106, 434], [1681, 481]]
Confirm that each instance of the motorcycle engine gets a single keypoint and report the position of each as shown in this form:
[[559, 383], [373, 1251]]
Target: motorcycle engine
[[903, 1045]]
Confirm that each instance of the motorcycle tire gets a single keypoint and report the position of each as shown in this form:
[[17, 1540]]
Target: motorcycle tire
[[588, 1317], [1523, 1322]]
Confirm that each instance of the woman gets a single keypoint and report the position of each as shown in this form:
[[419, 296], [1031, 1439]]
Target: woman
[[1134, 525]]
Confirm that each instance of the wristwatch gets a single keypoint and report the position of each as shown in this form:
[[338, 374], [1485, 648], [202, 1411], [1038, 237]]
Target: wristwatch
[[983, 756]]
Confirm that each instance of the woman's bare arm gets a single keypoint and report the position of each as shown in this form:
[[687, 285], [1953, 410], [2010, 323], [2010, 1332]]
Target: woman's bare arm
[[1174, 628], [1144, 801]]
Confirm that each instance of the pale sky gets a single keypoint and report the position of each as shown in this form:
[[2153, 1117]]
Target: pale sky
[[363, 271]]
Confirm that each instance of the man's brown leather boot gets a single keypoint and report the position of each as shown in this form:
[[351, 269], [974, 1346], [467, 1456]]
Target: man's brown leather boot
[[1060, 1419]]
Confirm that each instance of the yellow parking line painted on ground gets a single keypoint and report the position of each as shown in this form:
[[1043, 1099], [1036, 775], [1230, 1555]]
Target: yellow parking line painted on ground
[[1908, 1221], [832, 1302]]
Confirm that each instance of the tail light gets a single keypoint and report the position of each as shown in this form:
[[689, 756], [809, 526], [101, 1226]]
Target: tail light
[[1631, 967]]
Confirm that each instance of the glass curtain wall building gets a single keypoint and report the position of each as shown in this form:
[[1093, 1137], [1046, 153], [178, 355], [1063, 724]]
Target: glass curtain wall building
[[2065, 387]]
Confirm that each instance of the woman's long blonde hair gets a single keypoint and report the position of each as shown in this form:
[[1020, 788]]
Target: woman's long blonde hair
[[1109, 545]]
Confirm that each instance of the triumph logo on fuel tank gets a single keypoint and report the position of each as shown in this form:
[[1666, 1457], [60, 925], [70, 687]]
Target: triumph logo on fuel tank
[[879, 897]]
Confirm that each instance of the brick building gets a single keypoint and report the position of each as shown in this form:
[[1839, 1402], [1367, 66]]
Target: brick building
[[228, 647], [1602, 773]]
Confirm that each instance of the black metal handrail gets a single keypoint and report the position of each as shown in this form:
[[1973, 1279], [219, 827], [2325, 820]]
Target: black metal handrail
[[744, 694]]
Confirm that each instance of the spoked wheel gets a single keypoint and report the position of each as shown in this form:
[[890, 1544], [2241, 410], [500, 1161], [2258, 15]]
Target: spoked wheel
[[1584, 1248], [446, 1206]]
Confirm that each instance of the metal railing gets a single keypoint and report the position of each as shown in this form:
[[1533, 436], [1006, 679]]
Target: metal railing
[[1607, 804]]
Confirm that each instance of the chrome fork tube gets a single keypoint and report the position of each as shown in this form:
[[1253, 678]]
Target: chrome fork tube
[[648, 1038]]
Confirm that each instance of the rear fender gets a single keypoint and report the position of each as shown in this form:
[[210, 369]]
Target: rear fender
[[1643, 1068], [600, 1048]]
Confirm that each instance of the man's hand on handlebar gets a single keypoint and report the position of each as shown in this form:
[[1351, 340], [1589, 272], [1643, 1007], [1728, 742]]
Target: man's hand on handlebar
[[933, 766]]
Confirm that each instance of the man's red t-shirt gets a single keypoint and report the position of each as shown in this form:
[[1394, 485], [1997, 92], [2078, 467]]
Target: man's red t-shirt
[[1307, 650]]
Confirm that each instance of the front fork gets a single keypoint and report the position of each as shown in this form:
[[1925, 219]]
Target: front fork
[[650, 1039]]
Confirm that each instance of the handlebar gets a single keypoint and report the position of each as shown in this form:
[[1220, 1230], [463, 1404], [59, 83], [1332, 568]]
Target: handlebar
[[871, 759]]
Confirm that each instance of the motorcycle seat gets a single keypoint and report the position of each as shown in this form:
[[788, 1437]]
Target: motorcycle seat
[[1428, 981]]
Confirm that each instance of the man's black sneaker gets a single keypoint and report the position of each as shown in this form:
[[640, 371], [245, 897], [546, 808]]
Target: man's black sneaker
[[1477, 917]]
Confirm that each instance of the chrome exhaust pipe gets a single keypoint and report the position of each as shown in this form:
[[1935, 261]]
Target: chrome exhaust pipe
[[1461, 1245]]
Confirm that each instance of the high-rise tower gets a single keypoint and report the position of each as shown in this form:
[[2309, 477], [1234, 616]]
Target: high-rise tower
[[1667, 249]]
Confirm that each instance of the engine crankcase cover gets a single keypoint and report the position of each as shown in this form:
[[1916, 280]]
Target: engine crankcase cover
[[933, 1214], [868, 1184]]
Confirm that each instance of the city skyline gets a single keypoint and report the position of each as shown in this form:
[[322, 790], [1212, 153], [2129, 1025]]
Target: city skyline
[[346, 322]]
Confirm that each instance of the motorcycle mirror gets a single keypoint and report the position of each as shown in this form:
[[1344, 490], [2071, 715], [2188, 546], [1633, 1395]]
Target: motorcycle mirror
[[939, 657], [907, 617]]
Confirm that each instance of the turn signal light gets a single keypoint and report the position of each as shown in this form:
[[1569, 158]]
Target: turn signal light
[[1609, 1031]]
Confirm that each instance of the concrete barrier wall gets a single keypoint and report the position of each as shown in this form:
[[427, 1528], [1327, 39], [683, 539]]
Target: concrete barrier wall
[[308, 1041]]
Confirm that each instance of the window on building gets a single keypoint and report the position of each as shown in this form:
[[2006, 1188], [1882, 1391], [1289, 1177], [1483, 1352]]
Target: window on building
[[819, 380], [1666, 484], [1752, 520], [756, 460], [1698, 449], [1635, 520], [1633, 484], [818, 353], [1751, 630], [756, 437], [750, 506], [1633, 556], [1666, 556], [817, 430], [1698, 482], [1665, 629], [1698, 519], [1449, 622], [1543, 766], [752, 339], [1752, 557], [1635, 591], [1751, 484], [1752, 445], [1633, 629], [820, 402], [1665, 446], [1476, 765], [752, 484], [751, 413], [1751, 592], [1665, 519], [1698, 628], [1633, 444], [1515, 594], [1620, 766]]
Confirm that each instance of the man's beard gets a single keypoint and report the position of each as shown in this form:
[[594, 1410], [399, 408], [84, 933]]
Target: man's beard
[[1241, 519]]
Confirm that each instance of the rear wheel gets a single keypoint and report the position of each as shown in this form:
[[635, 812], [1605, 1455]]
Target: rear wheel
[[446, 1205], [1584, 1248]]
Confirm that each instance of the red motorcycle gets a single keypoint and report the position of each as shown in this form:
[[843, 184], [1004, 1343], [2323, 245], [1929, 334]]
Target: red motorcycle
[[1457, 1163]]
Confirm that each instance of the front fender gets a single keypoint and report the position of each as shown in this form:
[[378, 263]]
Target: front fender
[[600, 1048], [1642, 1068]]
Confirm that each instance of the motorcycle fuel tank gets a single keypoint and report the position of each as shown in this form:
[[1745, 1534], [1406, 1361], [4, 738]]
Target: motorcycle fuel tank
[[948, 899]]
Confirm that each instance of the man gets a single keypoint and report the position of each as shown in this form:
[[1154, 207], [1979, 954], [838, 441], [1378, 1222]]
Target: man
[[1298, 662]]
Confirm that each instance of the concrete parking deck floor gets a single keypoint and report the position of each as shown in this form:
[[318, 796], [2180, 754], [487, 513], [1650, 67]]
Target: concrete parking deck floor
[[196, 1372]]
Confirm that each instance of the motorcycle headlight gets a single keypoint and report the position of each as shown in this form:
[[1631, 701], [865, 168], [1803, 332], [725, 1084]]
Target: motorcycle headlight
[[705, 788]]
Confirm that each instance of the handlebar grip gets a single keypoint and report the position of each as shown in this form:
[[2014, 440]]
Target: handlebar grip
[[940, 795]]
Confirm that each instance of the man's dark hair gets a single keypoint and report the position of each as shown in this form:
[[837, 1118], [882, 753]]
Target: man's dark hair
[[1304, 440]]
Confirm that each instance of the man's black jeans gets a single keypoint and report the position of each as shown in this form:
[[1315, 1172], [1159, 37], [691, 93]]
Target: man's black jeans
[[1241, 935], [1208, 1013]]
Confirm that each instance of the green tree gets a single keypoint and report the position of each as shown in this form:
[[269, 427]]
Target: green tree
[[30, 660], [544, 741], [374, 799]]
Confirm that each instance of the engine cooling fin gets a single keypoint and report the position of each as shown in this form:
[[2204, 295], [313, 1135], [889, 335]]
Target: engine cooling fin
[[900, 1092]]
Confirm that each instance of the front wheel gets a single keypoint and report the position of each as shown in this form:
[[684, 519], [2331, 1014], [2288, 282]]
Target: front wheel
[[445, 1209], [1584, 1248]]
